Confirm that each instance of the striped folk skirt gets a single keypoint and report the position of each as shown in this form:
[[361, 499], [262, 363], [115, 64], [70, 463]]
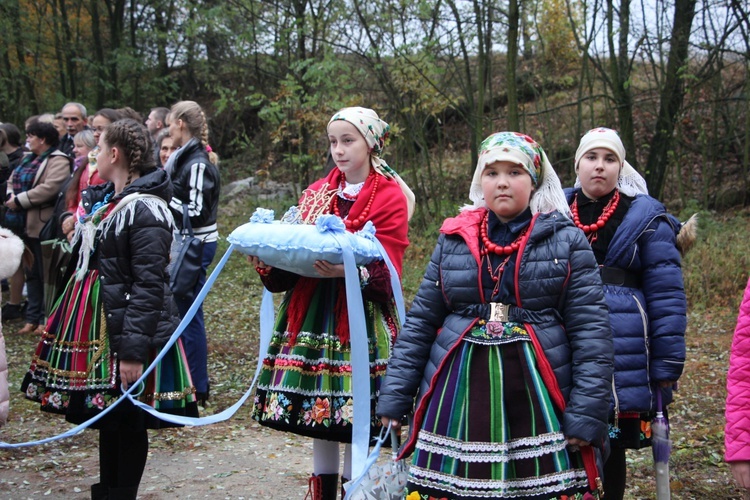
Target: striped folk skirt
[[74, 373], [490, 429], [305, 386]]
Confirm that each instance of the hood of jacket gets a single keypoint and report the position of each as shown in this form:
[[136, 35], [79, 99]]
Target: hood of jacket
[[155, 182]]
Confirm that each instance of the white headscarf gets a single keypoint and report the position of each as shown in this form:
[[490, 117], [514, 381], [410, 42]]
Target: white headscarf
[[521, 150], [630, 181], [375, 131]]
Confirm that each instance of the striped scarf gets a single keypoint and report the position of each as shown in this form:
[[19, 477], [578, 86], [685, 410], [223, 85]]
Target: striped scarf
[[23, 180]]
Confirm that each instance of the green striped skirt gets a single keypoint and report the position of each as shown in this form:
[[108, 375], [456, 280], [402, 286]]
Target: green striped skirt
[[74, 373], [490, 429], [305, 385]]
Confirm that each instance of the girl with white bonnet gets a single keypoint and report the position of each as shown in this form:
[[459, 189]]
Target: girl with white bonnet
[[634, 241], [507, 346], [306, 384]]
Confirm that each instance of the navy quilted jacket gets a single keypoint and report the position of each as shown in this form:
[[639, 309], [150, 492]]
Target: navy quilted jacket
[[556, 279], [648, 323]]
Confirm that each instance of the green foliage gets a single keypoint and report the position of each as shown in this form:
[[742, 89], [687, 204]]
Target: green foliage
[[556, 36], [716, 270]]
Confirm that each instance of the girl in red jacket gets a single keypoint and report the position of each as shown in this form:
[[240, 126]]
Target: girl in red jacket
[[306, 383]]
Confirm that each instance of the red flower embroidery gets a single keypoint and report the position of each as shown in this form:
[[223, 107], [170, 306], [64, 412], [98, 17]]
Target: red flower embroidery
[[321, 410]]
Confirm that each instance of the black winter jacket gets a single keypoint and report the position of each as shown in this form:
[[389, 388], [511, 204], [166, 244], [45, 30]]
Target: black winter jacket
[[131, 255], [196, 182], [559, 291]]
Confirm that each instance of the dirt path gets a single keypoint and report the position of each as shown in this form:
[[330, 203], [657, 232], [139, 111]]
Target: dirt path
[[235, 462]]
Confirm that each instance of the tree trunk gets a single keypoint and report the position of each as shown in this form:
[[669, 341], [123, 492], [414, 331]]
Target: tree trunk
[[116, 11], [478, 111], [619, 68], [671, 96], [528, 51], [468, 87], [512, 63], [69, 49], [27, 83], [101, 72]]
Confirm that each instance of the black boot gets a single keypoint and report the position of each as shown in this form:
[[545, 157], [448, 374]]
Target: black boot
[[323, 487], [99, 491]]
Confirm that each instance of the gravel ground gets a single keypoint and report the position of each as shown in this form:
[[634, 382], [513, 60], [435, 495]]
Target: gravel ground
[[227, 461]]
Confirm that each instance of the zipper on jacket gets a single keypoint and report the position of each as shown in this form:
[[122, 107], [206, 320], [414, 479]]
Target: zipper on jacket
[[439, 282], [644, 320], [632, 257], [617, 401]]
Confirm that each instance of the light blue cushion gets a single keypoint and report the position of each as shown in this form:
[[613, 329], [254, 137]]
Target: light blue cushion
[[295, 247]]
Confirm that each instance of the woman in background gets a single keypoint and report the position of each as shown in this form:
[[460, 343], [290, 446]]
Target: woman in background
[[196, 182], [32, 191]]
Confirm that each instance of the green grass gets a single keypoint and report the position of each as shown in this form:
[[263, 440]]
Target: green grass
[[716, 269]]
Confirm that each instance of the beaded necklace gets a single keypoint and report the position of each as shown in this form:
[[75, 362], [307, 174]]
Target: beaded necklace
[[507, 251], [590, 230], [355, 223], [488, 246], [497, 273]]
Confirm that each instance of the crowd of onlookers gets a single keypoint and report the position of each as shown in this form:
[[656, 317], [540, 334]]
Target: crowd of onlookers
[[50, 163]]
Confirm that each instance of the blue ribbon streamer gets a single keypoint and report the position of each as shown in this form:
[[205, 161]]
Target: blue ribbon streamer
[[398, 294], [265, 339], [359, 355], [224, 415], [360, 358]]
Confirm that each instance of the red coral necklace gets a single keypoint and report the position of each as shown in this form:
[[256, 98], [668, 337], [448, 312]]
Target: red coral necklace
[[590, 230], [355, 223], [498, 249]]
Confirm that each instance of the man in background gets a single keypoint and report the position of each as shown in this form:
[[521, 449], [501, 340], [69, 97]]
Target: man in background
[[74, 118], [156, 121]]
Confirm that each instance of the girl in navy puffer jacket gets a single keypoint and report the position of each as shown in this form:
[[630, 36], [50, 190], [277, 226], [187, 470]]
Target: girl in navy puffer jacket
[[510, 338], [634, 241]]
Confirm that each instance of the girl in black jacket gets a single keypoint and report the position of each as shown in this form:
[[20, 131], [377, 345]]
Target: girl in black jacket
[[116, 314], [510, 337], [195, 178]]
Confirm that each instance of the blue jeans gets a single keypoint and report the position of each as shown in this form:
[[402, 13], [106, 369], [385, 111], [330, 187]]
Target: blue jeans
[[194, 337]]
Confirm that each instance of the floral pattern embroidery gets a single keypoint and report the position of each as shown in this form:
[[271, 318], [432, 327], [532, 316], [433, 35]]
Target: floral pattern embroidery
[[645, 429], [277, 407], [55, 400], [521, 142], [323, 411], [344, 412], [416, 495], [31, 392], [99, 400]]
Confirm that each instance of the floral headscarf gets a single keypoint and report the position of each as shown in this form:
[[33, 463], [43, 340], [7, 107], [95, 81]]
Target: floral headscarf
[[373, 129], [522, 150], [376, 132], [630, 181]]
